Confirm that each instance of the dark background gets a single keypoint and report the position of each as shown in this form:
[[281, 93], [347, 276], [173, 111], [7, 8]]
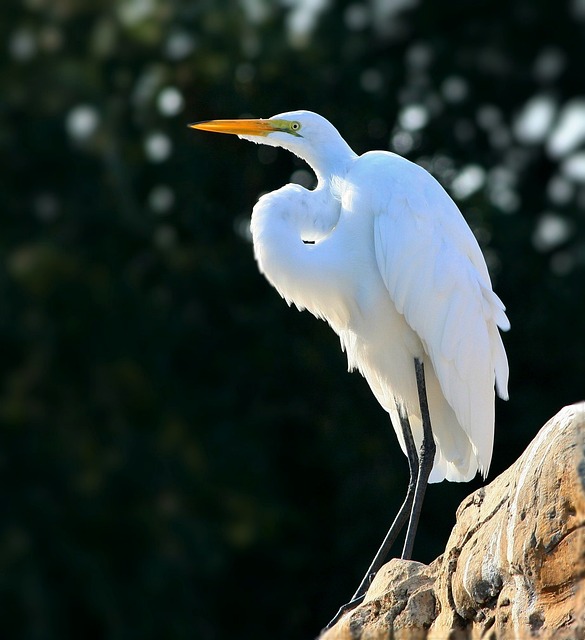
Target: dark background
[[181, 455]]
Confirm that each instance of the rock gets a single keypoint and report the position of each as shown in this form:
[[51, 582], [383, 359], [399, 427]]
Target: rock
[[514, 565]]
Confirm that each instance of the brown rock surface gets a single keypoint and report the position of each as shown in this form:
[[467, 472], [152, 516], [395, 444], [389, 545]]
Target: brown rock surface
[[514, 565]]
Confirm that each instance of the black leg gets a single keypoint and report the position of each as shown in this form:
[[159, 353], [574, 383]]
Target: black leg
[[426, 460], [397, 525]]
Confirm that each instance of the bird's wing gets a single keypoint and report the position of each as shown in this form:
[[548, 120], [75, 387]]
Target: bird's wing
[[437, 278]]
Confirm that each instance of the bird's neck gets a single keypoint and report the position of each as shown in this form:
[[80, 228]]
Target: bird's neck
[[329, 160]]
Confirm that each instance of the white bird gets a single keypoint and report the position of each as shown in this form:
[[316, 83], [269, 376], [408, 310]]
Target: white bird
[[382, 253]]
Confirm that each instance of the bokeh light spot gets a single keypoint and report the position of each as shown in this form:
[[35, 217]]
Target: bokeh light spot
[[413, 117], [569, 131], [81, 122], [469, 180], [170, 101], [551, 231], [158, 147], [22, 45], [161, 199], [535, 119], [574, 167]]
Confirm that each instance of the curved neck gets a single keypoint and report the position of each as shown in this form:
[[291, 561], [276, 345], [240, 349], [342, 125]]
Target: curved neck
[[330, 159]]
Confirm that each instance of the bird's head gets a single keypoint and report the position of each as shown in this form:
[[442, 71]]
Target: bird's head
[[304, 133]]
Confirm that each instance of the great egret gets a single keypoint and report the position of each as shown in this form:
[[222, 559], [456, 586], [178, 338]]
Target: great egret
[[382, 253]]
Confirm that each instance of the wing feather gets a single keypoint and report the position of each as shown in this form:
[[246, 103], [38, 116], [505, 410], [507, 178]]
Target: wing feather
[[437, 278]]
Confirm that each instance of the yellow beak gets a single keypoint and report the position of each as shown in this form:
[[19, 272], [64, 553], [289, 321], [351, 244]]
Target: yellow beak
[[256, 127]]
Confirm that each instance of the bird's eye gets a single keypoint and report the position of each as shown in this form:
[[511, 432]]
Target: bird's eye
[[295, 126]]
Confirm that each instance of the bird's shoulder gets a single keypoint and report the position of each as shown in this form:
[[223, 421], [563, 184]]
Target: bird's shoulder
[[391, 167], [385, 183]]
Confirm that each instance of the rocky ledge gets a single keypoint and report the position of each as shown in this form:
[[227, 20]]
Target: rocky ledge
[[514, 565]]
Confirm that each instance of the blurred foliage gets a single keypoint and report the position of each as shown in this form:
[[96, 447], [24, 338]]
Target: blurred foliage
[[182, 456]]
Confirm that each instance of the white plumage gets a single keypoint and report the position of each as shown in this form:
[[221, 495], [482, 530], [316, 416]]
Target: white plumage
[[381, 252]]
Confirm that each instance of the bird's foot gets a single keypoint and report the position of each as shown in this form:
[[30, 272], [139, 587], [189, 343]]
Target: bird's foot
[[352, 604]]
